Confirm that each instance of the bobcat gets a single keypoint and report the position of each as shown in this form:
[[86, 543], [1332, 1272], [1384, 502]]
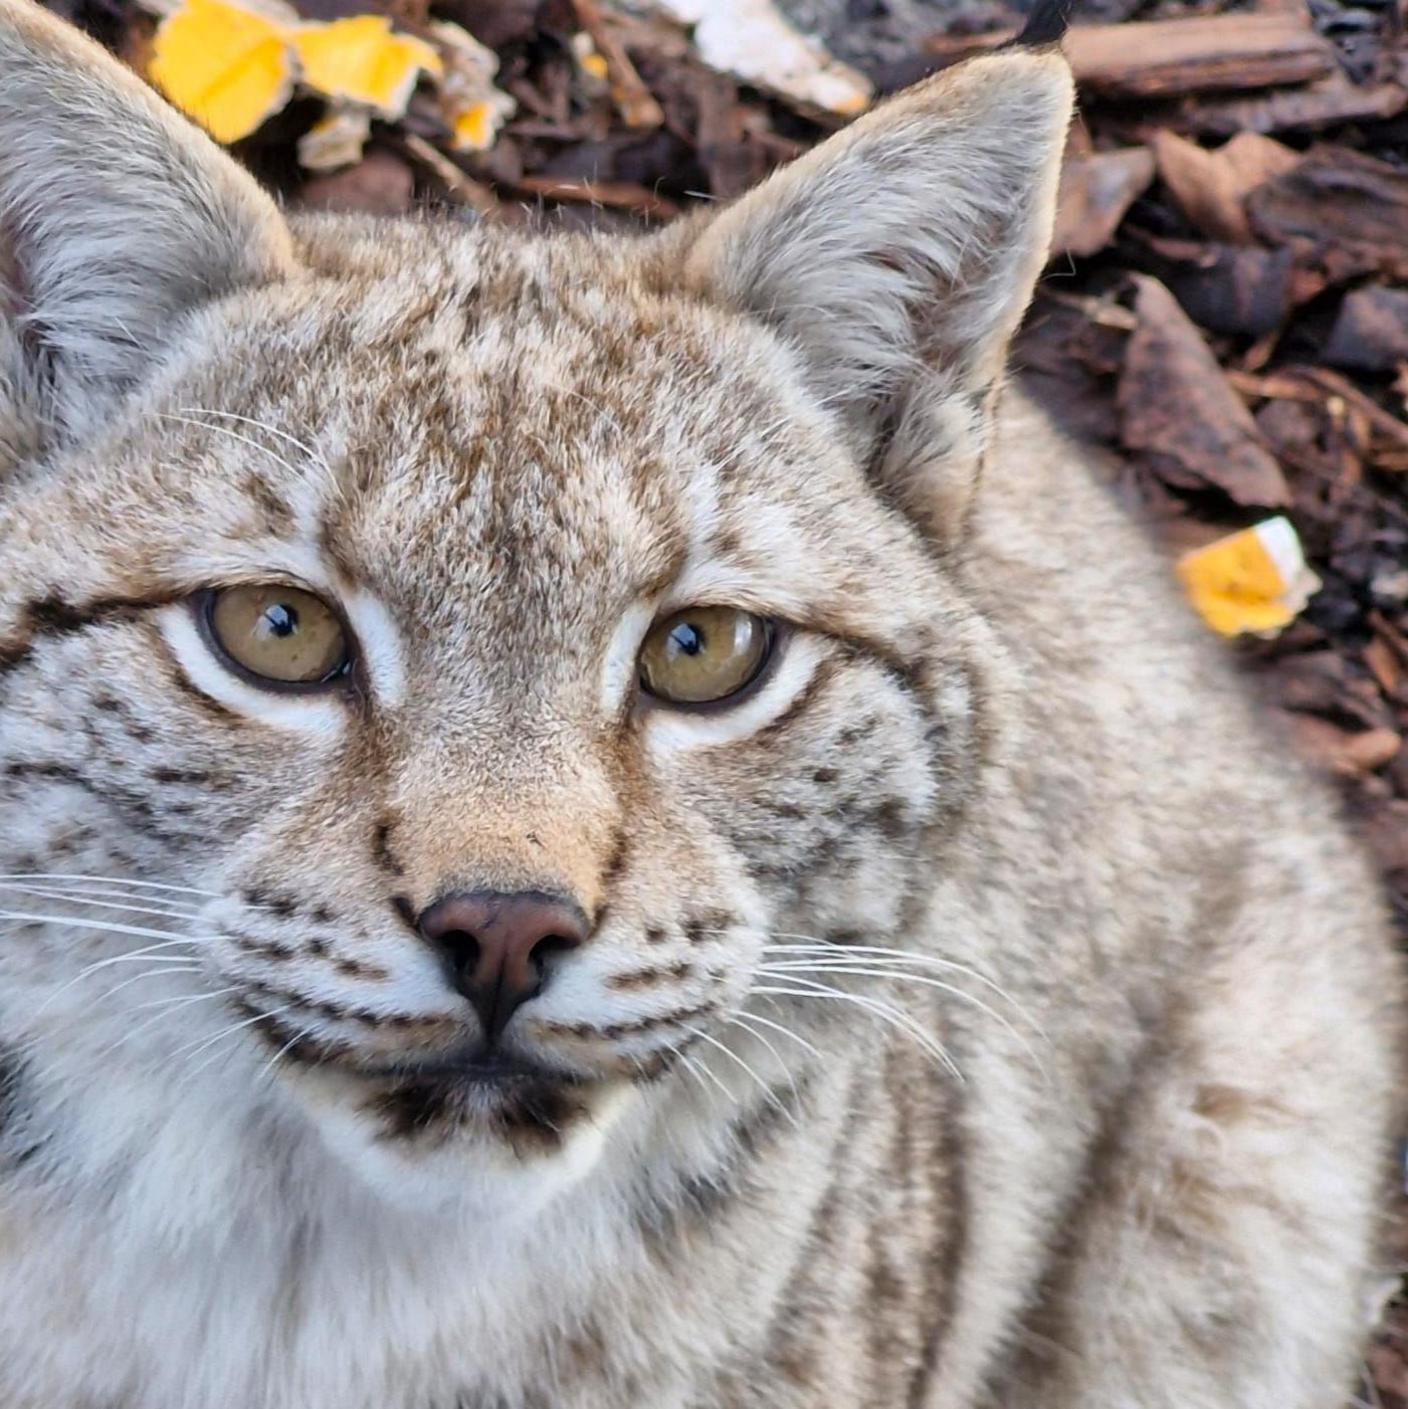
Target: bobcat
[[598, 823]]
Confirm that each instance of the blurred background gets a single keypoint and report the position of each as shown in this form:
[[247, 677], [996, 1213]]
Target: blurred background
[[1224, 320]]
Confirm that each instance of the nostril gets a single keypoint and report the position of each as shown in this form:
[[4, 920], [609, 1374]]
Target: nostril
[[461, 950], [550, 945]]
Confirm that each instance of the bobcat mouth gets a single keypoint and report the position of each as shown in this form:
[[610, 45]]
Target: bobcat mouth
[[427, 1101]]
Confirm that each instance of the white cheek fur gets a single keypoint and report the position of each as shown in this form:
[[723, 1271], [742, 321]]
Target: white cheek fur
[[619, 668], [380, 646], [319, 715], [669, 731]]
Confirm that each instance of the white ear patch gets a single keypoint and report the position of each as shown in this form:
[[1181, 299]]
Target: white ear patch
[[319, 715], [669, 731]]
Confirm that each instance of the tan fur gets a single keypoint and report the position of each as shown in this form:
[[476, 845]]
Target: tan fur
[[1146, 1167]]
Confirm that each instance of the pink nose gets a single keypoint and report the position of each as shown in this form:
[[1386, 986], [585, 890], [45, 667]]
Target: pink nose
[[496, 946]]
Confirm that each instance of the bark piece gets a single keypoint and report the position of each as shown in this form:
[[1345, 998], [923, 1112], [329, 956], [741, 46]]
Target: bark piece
[[1340, 198], [1178, 409], [1165, 58], [1242, 290], [380, 184], [1371, 331], [1096, 192]]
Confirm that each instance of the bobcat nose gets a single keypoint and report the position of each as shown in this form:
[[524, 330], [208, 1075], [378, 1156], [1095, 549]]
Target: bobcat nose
[[496, 946]]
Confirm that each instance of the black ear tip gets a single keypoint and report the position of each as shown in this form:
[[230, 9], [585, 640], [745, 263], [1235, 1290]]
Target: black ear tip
[[1046, 24]]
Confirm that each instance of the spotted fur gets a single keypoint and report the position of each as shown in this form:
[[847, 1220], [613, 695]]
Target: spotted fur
[[979, 1013]]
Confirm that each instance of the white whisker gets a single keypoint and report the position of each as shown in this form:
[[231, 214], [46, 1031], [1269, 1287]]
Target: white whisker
[[169, 912], [894, 975], [166, 1007], [733, 1056], [699, 1072], [743, 1021], [192, 1051], [879, 954], [130, 957], [786, 1032], [896, 1017], [107, 880]]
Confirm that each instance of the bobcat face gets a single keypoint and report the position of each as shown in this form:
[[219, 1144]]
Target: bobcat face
[[469, 660], [496, 496]]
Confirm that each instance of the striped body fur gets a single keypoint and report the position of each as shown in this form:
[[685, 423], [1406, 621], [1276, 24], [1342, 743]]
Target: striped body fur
[[976, 1014]]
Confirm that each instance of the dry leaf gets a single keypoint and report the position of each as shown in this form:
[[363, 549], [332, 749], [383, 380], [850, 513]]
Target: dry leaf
[[1211, 187], [336, 141], [1254, 581], [226, 67], [1177, 407], [1096, 191], [474, 108]]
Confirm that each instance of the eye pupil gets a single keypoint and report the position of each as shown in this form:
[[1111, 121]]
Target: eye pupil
[[280, 619], [688, 638]]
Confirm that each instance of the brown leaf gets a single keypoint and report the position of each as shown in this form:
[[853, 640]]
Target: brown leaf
[[1211, 187], [1178, 408], [1343, 750], [1096, 191]]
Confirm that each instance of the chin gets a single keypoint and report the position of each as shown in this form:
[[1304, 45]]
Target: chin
[[502, 1149]]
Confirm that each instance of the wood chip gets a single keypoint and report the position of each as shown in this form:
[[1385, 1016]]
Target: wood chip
[[458, 183], [1371, 331], [617, 195]]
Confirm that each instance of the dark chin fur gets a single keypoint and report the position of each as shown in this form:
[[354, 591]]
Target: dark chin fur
[[532, 1115]]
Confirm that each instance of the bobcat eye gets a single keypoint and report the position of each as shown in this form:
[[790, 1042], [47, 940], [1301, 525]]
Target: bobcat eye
[[704, 654], [276, 634]]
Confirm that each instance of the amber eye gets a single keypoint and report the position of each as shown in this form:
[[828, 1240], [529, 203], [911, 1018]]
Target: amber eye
[[278, 634], [704, 654]]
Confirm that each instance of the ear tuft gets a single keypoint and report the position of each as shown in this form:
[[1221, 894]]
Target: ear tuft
[[1047, 24], [116, 217]]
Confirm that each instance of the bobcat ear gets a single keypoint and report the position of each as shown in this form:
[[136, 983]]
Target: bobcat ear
[[897, 259], [116, 217]]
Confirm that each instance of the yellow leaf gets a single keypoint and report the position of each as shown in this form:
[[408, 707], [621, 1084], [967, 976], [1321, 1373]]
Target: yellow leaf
[[360, 60], [477, 126], [1254, 581], [229, 69]]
